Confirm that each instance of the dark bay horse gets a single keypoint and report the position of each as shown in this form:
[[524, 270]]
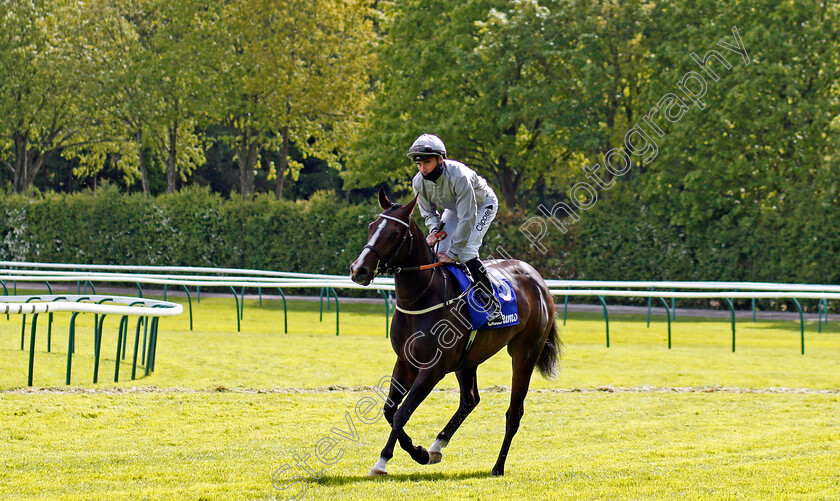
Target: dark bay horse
[[430, 336]]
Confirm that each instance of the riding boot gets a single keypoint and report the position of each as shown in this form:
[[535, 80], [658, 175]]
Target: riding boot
[[484, 288]]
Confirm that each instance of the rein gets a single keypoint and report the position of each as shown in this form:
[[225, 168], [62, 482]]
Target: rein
[[383, 266], [393, 270], [399, 269]]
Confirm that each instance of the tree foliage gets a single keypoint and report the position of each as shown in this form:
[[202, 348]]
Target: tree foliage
[[41, 78], [288, 73]]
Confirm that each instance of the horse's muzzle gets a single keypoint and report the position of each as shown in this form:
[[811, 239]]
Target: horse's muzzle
[[360, 275]]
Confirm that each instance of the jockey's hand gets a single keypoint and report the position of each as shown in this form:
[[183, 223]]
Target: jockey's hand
[[435, 237], [444, 258]]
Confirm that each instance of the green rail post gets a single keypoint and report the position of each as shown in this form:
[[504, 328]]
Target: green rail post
[[49, 332], [285, 312], [23, 323], [198, 293], [166, 286], [139, 289], [242, 305], [189, 302], [321, 300], [71, 342], [97, 348], [125, 340], [91, 286], [667, 312], [83, 298], [753, 309], [801, 324], [145, 337], [32, 348], [336, 309], [123, 327], [606, 318], [732, 313], [140, 321], [148, 354], [236, 298], [649, 305], [50, 322], [150, 358], [259, 291]]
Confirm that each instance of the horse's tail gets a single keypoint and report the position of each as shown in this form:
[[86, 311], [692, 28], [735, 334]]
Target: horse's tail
[[550, 354]]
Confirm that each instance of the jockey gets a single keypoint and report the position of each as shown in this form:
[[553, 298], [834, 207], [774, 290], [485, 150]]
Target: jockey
[[468, 203]]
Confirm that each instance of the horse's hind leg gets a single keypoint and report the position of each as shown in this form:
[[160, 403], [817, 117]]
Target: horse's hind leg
[[523, 366], [469, 400]]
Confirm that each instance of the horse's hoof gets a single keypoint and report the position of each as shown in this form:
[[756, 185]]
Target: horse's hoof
[[435, 457], [376, 472], [498, 472]]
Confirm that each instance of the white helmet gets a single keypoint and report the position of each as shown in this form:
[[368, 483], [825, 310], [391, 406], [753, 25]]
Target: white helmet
[[427, 145]]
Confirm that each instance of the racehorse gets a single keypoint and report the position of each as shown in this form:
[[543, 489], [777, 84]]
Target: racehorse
[[431, 339]]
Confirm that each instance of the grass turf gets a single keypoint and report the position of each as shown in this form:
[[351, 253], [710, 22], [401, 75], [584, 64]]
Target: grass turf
[[225, 410]]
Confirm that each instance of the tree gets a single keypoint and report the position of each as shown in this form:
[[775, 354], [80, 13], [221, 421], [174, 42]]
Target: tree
[[138, 92], [519, 90], [41, 79], [289, 74], [761, 133]]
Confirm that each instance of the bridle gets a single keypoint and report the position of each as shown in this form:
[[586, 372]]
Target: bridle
[[384, 265]]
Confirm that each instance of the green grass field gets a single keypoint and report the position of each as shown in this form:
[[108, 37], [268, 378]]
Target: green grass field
[[225, 410]]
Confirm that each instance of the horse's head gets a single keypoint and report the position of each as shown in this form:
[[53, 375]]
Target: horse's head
[[388, 240]]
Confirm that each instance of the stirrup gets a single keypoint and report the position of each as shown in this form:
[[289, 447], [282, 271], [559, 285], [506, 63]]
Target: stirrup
[[492, 305]]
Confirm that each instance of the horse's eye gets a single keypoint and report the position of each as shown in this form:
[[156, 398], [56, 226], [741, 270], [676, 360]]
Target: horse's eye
[[393, 235]]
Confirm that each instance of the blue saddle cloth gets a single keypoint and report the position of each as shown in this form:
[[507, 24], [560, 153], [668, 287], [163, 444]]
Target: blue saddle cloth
[[504, 293]]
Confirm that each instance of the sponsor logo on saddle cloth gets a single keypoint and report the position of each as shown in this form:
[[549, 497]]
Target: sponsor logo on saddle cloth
[[503, 291]]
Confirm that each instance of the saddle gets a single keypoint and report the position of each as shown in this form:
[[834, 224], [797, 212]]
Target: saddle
[[503, 291]]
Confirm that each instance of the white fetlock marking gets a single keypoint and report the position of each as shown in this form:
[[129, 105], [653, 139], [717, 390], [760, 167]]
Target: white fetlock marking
[[381, 464], [438, 445]]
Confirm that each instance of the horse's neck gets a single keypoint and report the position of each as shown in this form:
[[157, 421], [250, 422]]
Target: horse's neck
[[420, 252], [410, 284]]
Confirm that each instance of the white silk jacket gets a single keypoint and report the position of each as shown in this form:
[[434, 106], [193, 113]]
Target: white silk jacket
[[458, 189]]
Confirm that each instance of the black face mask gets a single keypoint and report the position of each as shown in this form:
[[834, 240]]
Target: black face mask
[[435, 174]]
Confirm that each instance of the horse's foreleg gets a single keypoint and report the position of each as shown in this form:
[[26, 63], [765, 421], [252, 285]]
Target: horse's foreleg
[[523, 367], [469, 400], [404, 376], [419, 391], [417, 452]]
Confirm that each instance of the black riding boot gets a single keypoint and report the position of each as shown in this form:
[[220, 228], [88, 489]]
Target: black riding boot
[[484, 288]]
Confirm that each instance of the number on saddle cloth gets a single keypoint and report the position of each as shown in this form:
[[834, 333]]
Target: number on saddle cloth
[[503, 291]]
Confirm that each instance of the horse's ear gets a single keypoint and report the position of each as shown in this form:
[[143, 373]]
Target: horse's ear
[[383, 199], [410, 205]]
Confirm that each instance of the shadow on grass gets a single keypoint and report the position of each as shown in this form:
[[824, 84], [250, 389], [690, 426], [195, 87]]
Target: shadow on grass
[[328, 480]]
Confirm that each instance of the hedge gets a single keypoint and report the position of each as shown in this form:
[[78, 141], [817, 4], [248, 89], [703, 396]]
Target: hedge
[[618, 239]]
